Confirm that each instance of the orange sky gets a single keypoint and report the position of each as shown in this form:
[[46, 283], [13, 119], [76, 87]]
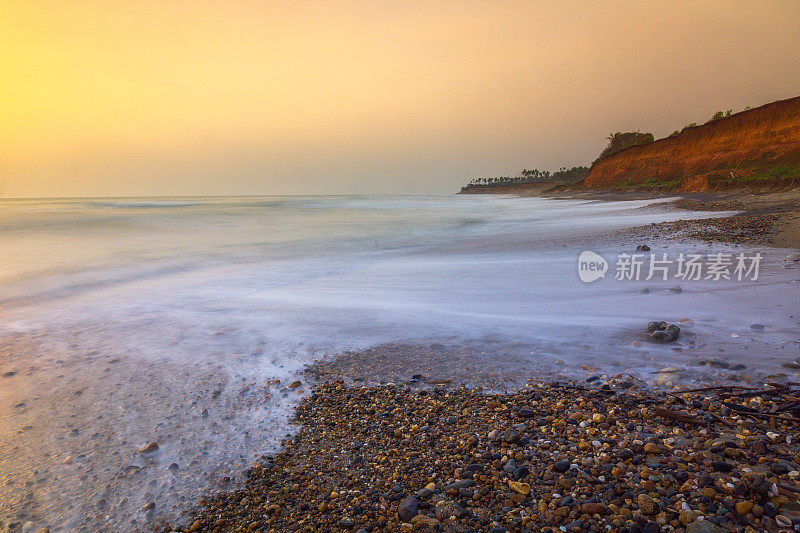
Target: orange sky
[[255, 97]]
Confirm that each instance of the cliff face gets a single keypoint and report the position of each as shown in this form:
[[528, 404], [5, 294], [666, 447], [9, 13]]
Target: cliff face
[[746, 143]]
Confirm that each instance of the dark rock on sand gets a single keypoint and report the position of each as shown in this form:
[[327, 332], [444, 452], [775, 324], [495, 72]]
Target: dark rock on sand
[[660, 331]]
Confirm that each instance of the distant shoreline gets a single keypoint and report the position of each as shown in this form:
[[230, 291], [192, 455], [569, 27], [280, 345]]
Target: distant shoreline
[[768, 215]]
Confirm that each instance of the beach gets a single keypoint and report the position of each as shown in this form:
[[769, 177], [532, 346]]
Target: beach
[[214, 348], [550, 457]]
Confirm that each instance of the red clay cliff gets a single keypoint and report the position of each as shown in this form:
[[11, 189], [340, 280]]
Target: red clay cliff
[[723, 150]]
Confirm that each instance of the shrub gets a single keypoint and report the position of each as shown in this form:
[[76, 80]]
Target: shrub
[[621, 140]]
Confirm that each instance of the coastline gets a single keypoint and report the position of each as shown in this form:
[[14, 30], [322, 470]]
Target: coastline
[[766, 216], [763, 218], [519, 451]]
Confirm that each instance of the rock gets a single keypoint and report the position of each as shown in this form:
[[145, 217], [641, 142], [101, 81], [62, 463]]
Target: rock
[[721, 466], [662, 332], [652, 448], [447, 508], [520, 488], [646, 504], [686, 517], [668, 377], [423, 521], [521, 473], [473, 468], [150, 447], [743, 507], [511, 436], [757, 326], [197, 526], [642, 248], [408, 508], [458, 485], [561, 466], [594, 508], [295, 384]]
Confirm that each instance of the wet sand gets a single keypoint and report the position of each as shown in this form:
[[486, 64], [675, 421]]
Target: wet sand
[[764, 217]]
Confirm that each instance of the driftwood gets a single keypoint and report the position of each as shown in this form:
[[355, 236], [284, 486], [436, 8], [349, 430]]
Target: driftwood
[[716, 388], [683, 418]]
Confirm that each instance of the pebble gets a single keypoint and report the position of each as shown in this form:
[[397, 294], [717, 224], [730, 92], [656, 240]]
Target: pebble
[[150, 447], [645, 503], [408, 508]]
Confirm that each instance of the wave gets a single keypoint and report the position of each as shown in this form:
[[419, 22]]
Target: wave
[[138, 205]]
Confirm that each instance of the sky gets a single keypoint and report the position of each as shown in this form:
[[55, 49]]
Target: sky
[[239, 97]]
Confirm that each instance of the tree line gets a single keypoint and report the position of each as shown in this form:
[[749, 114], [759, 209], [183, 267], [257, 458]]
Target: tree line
[[528, 176]]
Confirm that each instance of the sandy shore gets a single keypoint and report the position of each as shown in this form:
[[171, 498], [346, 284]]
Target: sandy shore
[[765, 218]]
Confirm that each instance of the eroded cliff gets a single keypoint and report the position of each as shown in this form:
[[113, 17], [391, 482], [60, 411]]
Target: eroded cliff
[[759, 144]]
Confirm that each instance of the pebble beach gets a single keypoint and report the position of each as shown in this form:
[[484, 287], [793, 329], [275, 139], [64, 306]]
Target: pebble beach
[[605, 456]]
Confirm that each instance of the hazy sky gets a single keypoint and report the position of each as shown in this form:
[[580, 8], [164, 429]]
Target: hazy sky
[[106, 97]]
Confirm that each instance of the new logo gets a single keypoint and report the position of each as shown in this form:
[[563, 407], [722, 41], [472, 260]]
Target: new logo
[[591, 266]]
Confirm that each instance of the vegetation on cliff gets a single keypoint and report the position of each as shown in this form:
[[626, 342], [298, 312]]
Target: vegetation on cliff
[[621, 140]]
